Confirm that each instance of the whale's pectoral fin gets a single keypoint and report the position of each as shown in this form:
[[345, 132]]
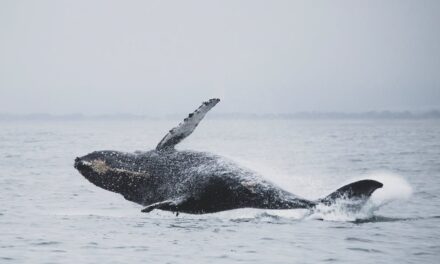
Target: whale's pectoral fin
[[188, 125], [168, 205], [360, 190]]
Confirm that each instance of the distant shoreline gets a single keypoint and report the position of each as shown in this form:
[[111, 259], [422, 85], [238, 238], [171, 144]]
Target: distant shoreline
[[372, 115]]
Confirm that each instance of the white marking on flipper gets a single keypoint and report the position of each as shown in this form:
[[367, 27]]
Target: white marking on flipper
[[186, 127], [168, 205]]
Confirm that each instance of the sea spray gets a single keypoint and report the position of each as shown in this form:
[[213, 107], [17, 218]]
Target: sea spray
[[395, 187]]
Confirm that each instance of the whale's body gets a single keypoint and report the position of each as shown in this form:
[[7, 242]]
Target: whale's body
[[199, 182], [195, 182]]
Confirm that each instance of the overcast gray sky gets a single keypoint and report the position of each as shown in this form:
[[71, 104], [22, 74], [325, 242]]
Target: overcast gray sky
[[162, 57]]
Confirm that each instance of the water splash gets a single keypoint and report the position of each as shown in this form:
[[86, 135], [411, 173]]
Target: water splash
[[394, 188]]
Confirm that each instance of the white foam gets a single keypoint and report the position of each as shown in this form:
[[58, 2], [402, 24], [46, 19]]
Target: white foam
[[342, 210]]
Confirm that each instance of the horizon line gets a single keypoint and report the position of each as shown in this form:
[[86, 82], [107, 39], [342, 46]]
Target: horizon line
[[385, 114]]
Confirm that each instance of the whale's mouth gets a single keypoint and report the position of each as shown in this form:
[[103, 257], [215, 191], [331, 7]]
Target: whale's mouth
[[102, 172], [99, 167], [77, 162]]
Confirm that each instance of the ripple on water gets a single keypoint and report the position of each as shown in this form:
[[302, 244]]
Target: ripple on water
[[368, 250], [357, 239], [384, 219], [90, 245], [422, 253], [46, 243], [330, 260], [58, 251]]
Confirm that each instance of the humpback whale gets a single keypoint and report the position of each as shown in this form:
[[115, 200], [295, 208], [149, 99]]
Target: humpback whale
[[196, 182]]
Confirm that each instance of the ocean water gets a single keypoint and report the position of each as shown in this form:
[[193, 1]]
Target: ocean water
[[50, 214]]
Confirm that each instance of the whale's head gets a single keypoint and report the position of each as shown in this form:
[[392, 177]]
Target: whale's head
[[114, 171]]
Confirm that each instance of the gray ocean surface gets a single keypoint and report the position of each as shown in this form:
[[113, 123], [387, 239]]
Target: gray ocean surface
[[49, 213]]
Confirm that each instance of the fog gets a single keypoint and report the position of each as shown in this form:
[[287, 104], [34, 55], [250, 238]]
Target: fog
[[165, 57]]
